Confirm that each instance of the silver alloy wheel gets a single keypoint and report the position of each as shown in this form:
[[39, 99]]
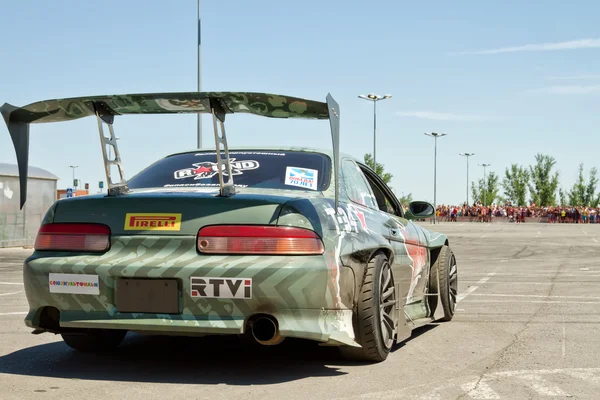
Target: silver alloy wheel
[[453, 283], [387, 300]]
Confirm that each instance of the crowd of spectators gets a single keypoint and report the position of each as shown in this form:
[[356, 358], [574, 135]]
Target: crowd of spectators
[[557, 214]]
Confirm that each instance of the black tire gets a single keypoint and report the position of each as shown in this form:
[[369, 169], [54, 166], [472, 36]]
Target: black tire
[[94, 340], [444, 266], [373, 333]]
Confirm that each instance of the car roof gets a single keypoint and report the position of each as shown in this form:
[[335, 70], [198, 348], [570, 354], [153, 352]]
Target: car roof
[[327, 152]]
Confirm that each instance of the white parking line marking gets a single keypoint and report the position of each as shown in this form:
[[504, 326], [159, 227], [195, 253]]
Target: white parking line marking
[[560, 275], [585, 375], [474, 288], [8, 294], [564, 341], [11, 283], [479, 390], [584, 232], [594, 239], [476, 386], [542, 386], [507, 259], [534, 301], [15, 313], [536, 295], [483, 236], [536, 283]]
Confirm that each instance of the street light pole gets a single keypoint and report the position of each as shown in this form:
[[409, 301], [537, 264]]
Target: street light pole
[[467, 155], [374, 98], [435, 136], [73, 167], [199, 78], [484, 185]]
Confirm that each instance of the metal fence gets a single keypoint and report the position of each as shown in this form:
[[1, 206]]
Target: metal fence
[[19, 227]]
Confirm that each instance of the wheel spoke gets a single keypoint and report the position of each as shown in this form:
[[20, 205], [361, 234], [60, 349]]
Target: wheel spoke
[[386, 304], [387, 298], [388, 322], [453, 270], [389, 292], [388, 278]]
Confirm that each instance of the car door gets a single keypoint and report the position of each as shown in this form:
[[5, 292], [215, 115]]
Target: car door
[[379, 224], [410, 247], [394, 226]]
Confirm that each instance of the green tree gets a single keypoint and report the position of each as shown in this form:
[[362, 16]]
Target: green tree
[[563, 197], [486, 192], [385, 176], [405, 199], [515, 184], [584, 193], [590, 191], [544, 183]]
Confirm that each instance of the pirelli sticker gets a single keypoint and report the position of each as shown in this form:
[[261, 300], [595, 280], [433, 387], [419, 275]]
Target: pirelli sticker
[[152, 222]]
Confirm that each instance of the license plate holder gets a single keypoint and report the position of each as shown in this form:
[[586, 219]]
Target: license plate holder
[[142, 295]]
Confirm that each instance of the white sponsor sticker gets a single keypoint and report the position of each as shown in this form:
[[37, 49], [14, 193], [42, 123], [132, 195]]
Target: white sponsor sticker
[[221, 288], [74, 283], [301, 177]]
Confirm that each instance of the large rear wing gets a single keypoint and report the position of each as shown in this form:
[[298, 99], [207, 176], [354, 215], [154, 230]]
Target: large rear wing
[[219, 104]]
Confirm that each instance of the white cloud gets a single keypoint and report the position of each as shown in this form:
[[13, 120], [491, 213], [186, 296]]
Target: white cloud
[[567, 89], [440, 116], [574, 77], [555, 46]]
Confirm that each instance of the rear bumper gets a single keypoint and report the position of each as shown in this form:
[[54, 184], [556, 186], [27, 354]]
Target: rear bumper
[[302, 293], [333, 327]]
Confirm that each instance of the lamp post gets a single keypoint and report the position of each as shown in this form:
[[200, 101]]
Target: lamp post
[[374, 98], [435, 136], [484, 186], [467, 155], [199, 141], [73, 167]]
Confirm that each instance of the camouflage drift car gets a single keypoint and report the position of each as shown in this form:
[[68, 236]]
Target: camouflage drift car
[[264, 242]]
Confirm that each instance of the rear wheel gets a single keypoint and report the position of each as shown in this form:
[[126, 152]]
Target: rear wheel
[[94, 340], [376, 317], [445, 267]]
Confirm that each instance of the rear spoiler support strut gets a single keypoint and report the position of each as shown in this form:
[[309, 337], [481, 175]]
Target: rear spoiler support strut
[[104, 115], [217, 110]]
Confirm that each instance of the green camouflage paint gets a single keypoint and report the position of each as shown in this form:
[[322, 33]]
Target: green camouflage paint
[[312, 297], [263, 104]]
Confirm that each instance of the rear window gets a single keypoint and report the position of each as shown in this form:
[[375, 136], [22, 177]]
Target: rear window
[[290, 170]]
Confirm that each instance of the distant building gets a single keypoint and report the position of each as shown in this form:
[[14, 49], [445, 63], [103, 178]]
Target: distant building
[[19, 227], [62, 193]]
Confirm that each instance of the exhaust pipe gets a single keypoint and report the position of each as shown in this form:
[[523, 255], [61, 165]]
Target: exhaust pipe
[[265, 331]]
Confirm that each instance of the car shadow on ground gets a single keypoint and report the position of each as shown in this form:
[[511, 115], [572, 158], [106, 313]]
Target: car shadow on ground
[[184, 360]]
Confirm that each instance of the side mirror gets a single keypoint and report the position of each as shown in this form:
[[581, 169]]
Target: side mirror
[[419, 210]]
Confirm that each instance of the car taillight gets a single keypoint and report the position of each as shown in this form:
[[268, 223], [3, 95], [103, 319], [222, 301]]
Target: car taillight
[[73, 237], [249, 239]]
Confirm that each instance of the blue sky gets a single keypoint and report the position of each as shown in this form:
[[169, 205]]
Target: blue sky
[[503, 80]]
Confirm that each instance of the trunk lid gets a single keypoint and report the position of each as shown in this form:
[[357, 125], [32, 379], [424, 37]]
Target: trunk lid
[[169, 213]]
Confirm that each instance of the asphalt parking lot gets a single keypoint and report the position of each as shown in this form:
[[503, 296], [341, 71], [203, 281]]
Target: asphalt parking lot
[[526, 327]]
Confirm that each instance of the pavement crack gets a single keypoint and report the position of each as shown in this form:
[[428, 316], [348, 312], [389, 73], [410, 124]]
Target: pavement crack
[[516, 256]]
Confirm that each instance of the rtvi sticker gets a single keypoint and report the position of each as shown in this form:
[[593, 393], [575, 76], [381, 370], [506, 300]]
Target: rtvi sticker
[[221, 288], [301, 177], [208, 169]]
